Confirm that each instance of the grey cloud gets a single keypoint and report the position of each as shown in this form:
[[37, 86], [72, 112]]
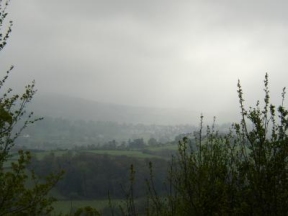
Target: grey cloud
[[151, 53]]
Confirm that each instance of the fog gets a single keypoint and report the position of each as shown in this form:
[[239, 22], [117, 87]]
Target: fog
[[163, 54]]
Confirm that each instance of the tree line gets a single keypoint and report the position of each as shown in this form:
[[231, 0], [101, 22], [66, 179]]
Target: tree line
[[94, 176]]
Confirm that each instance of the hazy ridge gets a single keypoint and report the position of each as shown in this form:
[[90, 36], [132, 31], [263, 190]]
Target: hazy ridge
[[81, 109]]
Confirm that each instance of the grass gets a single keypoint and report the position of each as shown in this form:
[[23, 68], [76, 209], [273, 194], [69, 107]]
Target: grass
[[165, 147], [131, 153], [40, 155], [66, 206]]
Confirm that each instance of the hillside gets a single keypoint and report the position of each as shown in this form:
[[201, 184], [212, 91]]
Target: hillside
[[81, 109]]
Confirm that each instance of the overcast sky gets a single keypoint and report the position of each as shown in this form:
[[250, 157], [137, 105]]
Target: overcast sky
[[155, 53]]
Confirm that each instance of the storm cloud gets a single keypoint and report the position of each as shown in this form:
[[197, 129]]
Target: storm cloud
[[178, 54]]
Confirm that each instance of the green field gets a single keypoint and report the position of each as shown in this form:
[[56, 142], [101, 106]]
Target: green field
[[131, 153], [66, 206], [161, 148], [41, 154]]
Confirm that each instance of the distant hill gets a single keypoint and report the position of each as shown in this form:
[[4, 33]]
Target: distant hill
[[81, 109]]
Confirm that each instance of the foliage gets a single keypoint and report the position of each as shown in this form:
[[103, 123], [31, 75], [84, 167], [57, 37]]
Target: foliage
[[18, 198], [92, 176], [21, 192], [243, 172]]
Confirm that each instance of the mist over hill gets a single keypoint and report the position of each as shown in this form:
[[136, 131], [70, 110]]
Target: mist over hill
[[81, 109]]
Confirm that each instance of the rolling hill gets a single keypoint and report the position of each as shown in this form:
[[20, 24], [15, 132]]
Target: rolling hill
[[81, 109]]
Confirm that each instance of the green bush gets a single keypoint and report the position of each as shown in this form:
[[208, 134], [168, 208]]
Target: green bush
[[21, 191], [243, 172]]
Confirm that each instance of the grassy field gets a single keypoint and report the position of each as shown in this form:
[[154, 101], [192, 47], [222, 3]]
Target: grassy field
[[131, 153], [161, 148], [66, 206], [41, 154]]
